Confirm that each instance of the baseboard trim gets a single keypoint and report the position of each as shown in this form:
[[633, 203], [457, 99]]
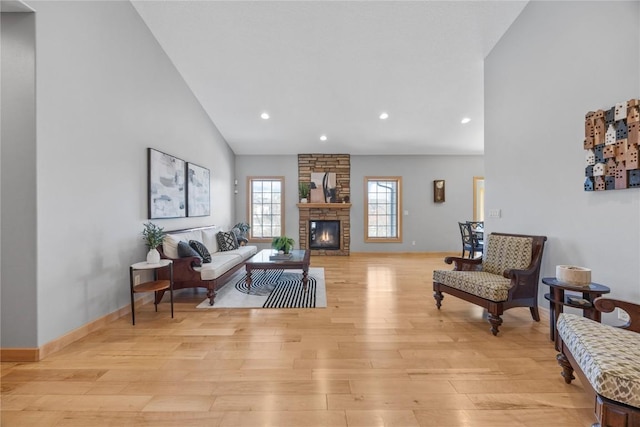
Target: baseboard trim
[[19, 355], [37, 354], [422, 254]]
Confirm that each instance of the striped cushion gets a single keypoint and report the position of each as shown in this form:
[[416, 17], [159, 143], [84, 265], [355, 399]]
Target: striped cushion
[[485, 285], [202, 250], [506, 252], [608, 356]]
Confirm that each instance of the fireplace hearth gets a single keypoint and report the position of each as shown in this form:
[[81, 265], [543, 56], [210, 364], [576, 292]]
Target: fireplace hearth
[[324, 234]]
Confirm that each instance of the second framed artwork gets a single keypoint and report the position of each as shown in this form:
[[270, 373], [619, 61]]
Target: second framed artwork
[[198, 191], [438, 191]]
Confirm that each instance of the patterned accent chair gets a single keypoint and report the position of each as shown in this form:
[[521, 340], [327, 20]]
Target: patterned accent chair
[[507, 276], [607, 360]]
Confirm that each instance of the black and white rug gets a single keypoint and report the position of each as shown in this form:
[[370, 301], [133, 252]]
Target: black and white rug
[[272, 289]]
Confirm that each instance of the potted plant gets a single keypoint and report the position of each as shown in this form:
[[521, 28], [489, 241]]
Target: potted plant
[[240, 230], [283, 243], [152, 236], [243, 227], [303, 190]]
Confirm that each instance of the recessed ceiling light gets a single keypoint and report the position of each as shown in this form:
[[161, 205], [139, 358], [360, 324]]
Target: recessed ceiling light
[[384, 116], [265, 116], [465, 120], [323, 137]]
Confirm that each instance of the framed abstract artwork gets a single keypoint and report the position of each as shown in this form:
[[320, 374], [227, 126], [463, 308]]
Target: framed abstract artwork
[[198, 198], [167, 195], [438, 191]]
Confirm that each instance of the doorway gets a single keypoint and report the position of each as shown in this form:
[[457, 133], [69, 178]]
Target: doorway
[[478, 198]]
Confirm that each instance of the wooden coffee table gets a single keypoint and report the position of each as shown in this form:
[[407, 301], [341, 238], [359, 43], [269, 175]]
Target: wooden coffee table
[[299, 260]]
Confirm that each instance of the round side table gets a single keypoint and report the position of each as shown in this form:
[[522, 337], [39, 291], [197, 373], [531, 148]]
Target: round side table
[[557, 300], [153, 286]]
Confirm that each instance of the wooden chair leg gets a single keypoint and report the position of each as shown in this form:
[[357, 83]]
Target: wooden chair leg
[[211, 295], [534, 313], [438, 297], [495, 321], [567, 370]]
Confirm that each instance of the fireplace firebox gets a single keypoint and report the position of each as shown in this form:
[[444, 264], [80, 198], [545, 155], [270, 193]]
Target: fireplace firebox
[[324, 234]]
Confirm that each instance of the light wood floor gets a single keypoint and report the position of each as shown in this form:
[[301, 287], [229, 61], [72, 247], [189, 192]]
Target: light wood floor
[[379, 355]]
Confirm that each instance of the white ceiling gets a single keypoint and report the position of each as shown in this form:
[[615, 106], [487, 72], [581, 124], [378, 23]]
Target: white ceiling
[[331, 67]]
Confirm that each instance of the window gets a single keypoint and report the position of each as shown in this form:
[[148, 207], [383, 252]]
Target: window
[[266, 201], [383, 204]]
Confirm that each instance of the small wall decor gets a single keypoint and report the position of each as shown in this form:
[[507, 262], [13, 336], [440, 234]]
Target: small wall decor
[[167, 197], [438, 191], [611, 143], [198, 183]]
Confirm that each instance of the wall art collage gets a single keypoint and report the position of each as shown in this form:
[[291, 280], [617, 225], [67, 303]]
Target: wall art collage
[[177, 189], [611, 143]]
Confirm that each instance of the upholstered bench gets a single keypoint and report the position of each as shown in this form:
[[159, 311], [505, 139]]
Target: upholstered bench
[[506, 277], [607, 360]]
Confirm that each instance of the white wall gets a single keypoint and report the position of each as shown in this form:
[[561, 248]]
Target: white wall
[[18, 286], [433, 226], [558, 61], [105, 92]]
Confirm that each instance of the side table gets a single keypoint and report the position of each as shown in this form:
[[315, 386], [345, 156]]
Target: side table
[[557, 300], [153, 286]]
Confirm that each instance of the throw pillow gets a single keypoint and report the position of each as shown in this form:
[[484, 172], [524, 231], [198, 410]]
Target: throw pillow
[[184, 251], [202, 250], [227, 241]]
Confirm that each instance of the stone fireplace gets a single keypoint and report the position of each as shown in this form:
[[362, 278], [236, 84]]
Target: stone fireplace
[[337, 213]]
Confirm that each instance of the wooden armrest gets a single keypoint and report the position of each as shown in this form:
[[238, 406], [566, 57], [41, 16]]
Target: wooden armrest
[[183, 269], [464, 264], [516, 274], [607, 305]]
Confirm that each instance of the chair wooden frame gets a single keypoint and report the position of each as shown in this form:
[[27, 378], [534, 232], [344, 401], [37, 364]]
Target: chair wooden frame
[[522, 293], [470, 242]]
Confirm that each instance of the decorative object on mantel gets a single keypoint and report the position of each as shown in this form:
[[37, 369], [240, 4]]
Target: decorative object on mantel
[[573, 275], [612, 139], [323, 187], [152, 235], [303, 190], [282, 243], [438, 191]]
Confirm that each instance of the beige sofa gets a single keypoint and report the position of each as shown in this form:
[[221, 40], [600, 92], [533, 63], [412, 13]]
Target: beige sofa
[[211, 275]]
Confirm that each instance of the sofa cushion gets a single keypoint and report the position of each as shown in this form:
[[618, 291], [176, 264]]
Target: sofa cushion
[[170, 241], [170, 246], [220, 264], [201, 249], [506, 253], [489, 286], [227, 241], [209, 238], [608, 356], [243, 252], [184, 251]]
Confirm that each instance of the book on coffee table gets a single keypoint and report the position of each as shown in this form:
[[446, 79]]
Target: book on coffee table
[[280, 257]]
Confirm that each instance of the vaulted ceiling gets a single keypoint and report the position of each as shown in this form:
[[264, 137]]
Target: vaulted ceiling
[[332, 67]]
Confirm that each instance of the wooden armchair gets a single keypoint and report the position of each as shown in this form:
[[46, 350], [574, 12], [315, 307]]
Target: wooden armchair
[[507, 276]]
